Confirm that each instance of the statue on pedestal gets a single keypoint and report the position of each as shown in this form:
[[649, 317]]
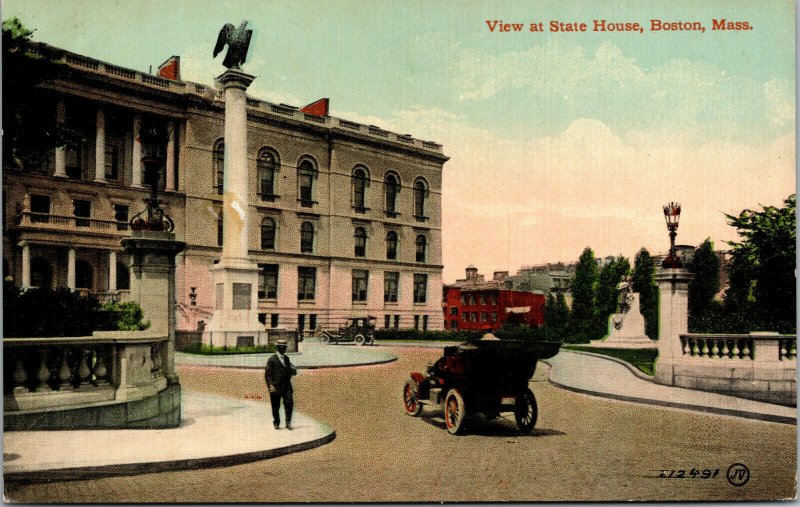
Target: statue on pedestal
[[238, 41], [626, 327]]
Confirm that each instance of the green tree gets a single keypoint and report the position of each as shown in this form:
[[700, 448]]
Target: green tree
[[643, 282], [705, 282], [30, 130], [584, 284], [762, 273], [607, 295], [556, 317]]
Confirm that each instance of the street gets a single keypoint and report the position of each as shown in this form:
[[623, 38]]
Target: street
[[583, 448]]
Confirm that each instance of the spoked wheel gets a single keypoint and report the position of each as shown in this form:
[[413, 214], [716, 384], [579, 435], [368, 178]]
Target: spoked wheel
[[359, 339], [454, 412], [526, 411], [410, 403], [370, 341], [326, 338]]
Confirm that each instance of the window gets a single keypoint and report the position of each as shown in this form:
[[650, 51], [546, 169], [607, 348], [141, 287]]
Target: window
[[420, 288], [219, 228], [492, 300], [420, 193], [483, 316], [391, 188], [424, 322], [465, 316], [83, 275], [312, 321], [483, 299], [306, 173], [112, 162], [268, 281], [421, 245], [473, 317], [273, 320], [472, 300], [121, 216], [454, 311], [387, 319], [268, 234], [40, 208], [219, 165], [306, 237], [82, 211], [306, 282], [464, 299], [391, 280], [360, 182], [360, 281], [73, 158], [301, 323], [360, 242], [494, 316], [453, 324], [397, 322], [416, 321], [391, 245], [123, 277], [266, 165]]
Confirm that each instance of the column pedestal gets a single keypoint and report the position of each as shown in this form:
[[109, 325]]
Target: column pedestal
[[673, 320]]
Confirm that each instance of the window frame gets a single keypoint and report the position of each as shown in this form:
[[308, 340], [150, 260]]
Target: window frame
[[218, 165], [306, 274], [392, 241], [266, 273], [360, 291], [306, 168], [420, 280], [421, 244], [421, 194], [389, 295], [307, 237], [262, 167], [359, 184], [265, 230], [391, 211], [360, 242]]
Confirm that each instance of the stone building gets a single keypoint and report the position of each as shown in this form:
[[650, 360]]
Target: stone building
[[345, 218]]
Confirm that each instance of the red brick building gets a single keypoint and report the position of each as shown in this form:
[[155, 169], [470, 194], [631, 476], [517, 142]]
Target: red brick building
[[473, 304]]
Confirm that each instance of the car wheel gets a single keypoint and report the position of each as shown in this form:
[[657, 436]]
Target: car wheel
[[326, 338], [359, 339], [526, 411], [370, 341], [454, 412], [410, 403]]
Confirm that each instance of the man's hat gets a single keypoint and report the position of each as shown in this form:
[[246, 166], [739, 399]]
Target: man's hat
[[281, 343]]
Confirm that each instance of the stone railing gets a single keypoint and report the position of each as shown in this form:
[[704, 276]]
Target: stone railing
[[45, 374], [72, 222], [753, 346]]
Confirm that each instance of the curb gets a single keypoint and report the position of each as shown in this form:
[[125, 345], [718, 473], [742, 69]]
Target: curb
[[672, 404], [100, 472], [636, 371]]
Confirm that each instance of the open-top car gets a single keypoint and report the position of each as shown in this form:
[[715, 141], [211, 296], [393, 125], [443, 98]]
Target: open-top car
[[360, 330], [480, 376]]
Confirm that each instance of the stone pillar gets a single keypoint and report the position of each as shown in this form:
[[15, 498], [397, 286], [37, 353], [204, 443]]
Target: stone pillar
[[152, 268], [71, 269], [170, 168], [673, 320], [112, 271], [26, 264], [100, 147], [61, 153], [235, 277], [136, 151]]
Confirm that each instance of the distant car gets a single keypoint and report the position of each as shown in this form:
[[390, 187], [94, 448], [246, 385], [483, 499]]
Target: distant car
[[480, 376], [359, 330]]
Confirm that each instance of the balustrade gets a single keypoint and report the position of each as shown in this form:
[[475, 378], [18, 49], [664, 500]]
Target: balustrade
[[30, 219], [739, 346]]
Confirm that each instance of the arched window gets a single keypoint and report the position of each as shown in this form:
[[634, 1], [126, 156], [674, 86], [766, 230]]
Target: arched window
[[420, 193], [306, 172], [83, 275], [41, 274], [307, 237], [391, 245], [360, 242], [219, 165], [268, 234], [421, 245], [391, 185], [360, 182], [123, 277], [267, 166]]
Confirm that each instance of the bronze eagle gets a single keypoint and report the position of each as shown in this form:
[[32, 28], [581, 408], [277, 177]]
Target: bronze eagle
[[238, 41]]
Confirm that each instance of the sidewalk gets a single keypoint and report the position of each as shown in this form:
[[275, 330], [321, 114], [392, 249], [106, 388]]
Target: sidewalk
[[608, 378]]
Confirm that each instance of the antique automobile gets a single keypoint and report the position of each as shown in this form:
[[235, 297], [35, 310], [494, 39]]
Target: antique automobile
[[480, 376], [359, 330]]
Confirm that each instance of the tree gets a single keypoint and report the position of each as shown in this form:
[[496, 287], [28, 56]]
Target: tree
[[556, 317], [607, 295], [30, 129], [643, 282], [583, 290], [705, 282], [762, 273]]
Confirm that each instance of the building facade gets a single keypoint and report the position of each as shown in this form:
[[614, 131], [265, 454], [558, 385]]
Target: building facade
[[345, 219]]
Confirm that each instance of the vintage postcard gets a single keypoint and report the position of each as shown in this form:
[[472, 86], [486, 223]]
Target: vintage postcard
[[452, 251]]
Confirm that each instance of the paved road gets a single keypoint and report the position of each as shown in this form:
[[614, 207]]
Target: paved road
[[584, 448]]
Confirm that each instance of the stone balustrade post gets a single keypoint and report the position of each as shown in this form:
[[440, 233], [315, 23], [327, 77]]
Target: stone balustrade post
[[767, 347], [673, 320]]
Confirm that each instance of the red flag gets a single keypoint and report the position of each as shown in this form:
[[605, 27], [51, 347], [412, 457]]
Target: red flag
[[318, 108], [171, 69]]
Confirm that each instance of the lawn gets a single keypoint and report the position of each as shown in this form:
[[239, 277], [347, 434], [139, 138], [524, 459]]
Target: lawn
[[643, 359]]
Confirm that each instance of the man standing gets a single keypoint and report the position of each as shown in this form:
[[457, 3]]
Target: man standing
[[278, 375]]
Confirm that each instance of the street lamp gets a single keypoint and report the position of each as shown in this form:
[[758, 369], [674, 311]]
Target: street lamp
[[672, 215], [153, 137]]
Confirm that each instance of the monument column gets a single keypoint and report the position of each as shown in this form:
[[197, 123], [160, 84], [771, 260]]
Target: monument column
[[673, 320]]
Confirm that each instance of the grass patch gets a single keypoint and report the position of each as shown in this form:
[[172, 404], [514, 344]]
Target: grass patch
[[642, 359], [206, 350]]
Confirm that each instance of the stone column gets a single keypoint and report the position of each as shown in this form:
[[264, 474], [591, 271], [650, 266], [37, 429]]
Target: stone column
[[100, 147], [136, 151], [673, 320], [61, 152], [112, 271], [170, 168], [152, 268], [71, 269], [26, 264]]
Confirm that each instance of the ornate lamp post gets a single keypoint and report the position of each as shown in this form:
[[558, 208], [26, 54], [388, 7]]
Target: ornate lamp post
[[154, 138], [672, 215]]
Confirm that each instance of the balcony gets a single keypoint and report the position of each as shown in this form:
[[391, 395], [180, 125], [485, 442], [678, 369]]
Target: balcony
[[47, 221]]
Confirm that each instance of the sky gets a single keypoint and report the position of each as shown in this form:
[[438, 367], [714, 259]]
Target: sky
[[557, 141]]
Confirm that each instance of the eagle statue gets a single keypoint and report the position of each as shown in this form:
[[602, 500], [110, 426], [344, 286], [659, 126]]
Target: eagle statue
[[238, 41]]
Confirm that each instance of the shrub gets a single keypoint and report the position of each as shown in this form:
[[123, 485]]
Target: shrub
[[45, 312], [125, 316], [418, 335], [206, 350]]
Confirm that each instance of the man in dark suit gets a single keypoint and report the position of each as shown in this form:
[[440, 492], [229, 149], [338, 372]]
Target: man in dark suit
[[278, 375]]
